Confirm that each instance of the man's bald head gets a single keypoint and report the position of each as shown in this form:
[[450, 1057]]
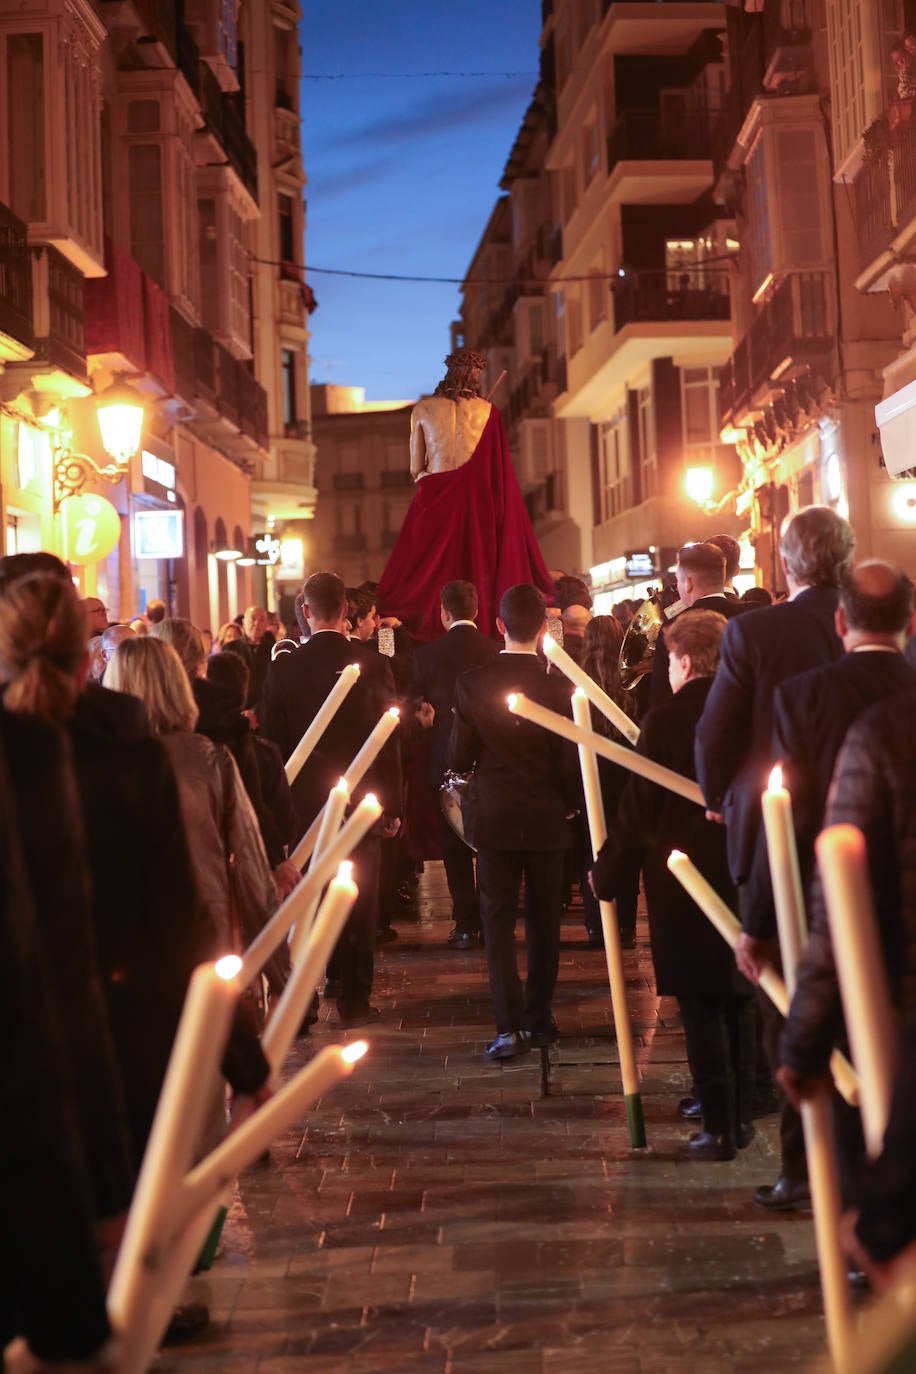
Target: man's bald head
[[876, 603], [575, 619]]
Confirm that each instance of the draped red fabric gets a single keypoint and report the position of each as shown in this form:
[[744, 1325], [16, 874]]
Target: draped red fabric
[[470, 524]]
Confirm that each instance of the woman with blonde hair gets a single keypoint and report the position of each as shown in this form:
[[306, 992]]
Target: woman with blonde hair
[[226, 634]]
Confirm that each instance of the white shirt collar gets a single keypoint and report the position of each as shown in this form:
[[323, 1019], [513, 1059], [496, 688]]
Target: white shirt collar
[[520, 653], [455, 623]]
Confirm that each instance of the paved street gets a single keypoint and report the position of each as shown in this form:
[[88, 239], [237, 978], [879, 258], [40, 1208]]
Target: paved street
[[443, 1217]]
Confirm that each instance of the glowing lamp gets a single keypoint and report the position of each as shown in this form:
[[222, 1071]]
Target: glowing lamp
[[120, 415], [698, 484]]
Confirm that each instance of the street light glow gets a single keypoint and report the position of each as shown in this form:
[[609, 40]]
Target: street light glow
[[698, 484]]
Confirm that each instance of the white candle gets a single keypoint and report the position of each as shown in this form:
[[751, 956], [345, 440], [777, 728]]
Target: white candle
[[331, 818], [861, 972], [353, 777], [206, 1180], [816, 1118], [522, 706], [324, 868], [597, 826], [729, 927], [322, 718], [286, 1016], [193, 1069], [599, 698]]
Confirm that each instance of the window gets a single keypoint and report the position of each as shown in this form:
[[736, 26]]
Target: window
[[858, 93], [757, 227], [798, 196], [147, 236], [25, 113], [648, 456], [288, 368], [285, 227], [699, 411], [614, 485], [224, 279]]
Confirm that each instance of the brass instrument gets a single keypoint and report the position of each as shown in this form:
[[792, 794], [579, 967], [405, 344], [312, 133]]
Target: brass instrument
[[638, 648]]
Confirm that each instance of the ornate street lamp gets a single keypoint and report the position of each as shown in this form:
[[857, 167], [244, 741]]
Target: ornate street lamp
[[120, 415]]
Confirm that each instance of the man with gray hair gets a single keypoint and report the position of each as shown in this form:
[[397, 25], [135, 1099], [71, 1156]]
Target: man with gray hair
[[734, 747], [108, 642]]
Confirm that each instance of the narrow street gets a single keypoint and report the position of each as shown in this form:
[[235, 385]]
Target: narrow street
[[443, 1217]]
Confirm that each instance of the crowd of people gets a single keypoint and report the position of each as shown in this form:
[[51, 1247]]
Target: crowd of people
[[155, 728]]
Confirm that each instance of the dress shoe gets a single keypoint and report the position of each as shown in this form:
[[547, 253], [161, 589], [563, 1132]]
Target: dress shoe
[[358, 1016], [543, 1035], [187, 1322], [508, 1045], [857, 1279], [689, 1109], [332, 989], [595, 939], [464, 941], [705, 1145], [628, 939], [785, 1195], [745, 1134]]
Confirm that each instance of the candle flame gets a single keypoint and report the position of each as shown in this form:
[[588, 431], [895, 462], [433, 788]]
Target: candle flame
[[228, 967], [355, 667], [342, 786], [775, 783], [344, 872], [394, 711], [350, 1053], [550, 645], [371, 800], [512, 701], [580, 694], [676, 854]]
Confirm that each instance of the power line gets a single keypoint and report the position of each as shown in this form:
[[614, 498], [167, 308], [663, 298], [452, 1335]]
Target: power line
[[407, 76], [483, 281]]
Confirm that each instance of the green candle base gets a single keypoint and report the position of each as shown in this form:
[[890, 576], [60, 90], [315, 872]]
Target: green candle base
[[208, 1253], [635, 1123]]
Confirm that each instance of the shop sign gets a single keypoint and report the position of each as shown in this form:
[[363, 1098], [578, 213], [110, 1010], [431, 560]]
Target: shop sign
[[159, 534], [640, 563], [267, 549], [91, 528], [292, 560]]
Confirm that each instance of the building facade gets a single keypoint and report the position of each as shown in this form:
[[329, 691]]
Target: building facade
[[135, 229]]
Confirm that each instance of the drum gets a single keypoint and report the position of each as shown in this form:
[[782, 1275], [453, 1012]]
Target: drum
[[452, 799]]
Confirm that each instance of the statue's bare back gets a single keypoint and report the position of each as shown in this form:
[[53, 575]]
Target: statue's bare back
[[444, 433]]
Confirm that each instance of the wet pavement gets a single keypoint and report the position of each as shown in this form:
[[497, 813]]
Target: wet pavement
[[442, 1216]]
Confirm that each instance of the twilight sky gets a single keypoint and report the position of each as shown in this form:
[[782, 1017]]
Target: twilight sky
[[403, 171]]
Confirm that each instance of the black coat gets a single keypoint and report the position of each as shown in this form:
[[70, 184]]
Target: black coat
[[526, 778], [734, 737], [295, 688], [660, 687], [690, 956], [874, 789], [436, 667]]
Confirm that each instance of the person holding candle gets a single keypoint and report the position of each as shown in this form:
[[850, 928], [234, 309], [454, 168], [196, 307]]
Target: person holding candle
[[525, 786], [692, 962], [295, 689], [700, 576], [734, 753]]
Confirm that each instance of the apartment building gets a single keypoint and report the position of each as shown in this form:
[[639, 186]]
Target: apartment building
[[802, 157], [363, 481], [134, 177]]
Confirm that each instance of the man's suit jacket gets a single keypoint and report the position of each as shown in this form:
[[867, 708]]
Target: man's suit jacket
[[295, 687], [734, 739], [660, 687], [436, 667], [526, 778]]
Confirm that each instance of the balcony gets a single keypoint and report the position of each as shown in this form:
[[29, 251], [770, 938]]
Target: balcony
[[204, 367], [227, 394], [749, 70], [873, 210], [252, 406], [115, 330], [649, 296], [792, 332], [644, 136], [15, 289], [183, 353], [224, 114], [59, 315]]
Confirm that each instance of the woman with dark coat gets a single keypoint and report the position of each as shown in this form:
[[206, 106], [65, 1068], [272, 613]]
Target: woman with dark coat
[[692, 961]]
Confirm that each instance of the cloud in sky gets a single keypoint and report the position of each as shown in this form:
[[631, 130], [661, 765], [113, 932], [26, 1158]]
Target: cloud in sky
[[438, 114]]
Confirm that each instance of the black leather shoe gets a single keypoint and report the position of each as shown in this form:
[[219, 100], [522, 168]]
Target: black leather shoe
[[544, 1035], [595, 939], [358, 1016], [857, 1279], [508, 1045], [187, 1322], [463, 941], [332, 989], [745, 1134], [689, 1109], [785, 1195], [704, 1145]]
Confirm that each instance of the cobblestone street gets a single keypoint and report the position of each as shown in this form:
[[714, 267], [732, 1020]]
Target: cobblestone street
[[442, 1216]]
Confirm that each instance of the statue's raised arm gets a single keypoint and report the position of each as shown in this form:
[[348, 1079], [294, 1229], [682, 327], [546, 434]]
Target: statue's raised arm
[[445, 428]]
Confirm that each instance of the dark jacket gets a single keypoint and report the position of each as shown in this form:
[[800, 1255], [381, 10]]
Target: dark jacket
[[436, 667], [874, 789], [690, 957], [296, 686], [887, 1216], [660, 688], [734, 738], [526, 778]]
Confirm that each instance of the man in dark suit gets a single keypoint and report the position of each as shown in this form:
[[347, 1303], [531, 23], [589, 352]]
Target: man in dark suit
[[296, 686], [734, 749], [436, 667], [524, 787], [700, 577]]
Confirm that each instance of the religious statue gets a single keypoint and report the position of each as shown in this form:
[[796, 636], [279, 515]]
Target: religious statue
[[467, 519]]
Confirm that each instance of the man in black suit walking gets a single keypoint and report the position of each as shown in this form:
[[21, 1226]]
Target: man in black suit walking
[[436, 667], [524, 787], [296, 686], [700, 576], [734, 751]]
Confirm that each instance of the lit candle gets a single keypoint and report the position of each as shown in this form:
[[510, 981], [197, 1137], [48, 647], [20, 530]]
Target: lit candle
[[193, 1070], [331, 817], [353, 777], [558, 656], [286, 1016], [861, 972], [594, 806], [522, 706], [323, 869], [823, 1178], [323, 717], [729, 927]]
